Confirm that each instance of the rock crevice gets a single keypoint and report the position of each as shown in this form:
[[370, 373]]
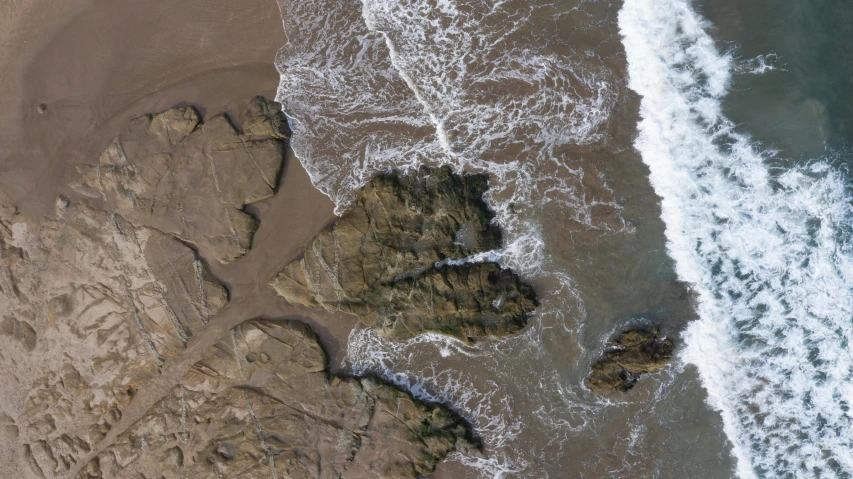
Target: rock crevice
[[386, 261]]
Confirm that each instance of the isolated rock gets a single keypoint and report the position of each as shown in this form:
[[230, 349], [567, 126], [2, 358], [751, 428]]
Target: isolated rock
[[282, 416], [632, 354], [395, 260], [191, 179]]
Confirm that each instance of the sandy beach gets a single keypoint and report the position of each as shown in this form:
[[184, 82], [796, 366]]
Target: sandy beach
[[73, 75], [526, 225], [95, 65]]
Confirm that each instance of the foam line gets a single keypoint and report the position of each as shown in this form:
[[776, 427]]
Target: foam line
[[769, 255]]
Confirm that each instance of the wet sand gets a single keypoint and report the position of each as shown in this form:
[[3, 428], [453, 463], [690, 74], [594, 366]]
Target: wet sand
[[93, 66], [96, 65]]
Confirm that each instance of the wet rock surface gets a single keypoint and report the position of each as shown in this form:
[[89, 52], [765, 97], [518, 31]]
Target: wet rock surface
[[629, 356], [396, 261], [119, 346]]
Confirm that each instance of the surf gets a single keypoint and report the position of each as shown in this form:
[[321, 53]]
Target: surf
[[372, 85], [767, 251]]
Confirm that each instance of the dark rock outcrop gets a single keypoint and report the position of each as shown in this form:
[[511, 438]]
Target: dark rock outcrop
[[395, 260], [632, 354]]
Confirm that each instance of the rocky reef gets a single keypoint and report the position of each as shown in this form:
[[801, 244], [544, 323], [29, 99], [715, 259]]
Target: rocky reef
[[92, 306], [124, 355], [396, 260], [632, 354]]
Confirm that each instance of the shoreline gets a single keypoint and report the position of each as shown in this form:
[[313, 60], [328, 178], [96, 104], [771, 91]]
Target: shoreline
[[97, 67]]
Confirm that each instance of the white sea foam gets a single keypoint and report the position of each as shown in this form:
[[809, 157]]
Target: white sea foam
[[351, 114], [378, 84], [769, 255], [432, 368], [760, 64], [413, 84], [454, 56], [397, 363]]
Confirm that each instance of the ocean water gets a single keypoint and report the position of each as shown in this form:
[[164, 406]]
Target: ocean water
[[763, 235], [639, 182], [800, 106]]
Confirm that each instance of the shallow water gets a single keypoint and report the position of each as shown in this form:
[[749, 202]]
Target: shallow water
[[537, 95]]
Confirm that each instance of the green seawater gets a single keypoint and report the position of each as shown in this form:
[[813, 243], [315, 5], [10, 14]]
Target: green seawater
[[803, 108]]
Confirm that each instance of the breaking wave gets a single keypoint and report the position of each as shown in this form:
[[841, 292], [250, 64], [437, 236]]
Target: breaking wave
[[378, 84], [767, 249]]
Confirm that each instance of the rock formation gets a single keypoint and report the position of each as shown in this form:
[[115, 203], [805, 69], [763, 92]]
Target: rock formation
[[396, 260], [261, 405], [97, 301], [92, 305], [191, 179], [630, 355]]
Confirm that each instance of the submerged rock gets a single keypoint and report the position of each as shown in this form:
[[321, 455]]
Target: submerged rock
[[282, 416], [190, 179], [630, 355], [396, 260]]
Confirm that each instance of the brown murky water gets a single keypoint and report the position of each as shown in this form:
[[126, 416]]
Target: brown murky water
[[535, 94]]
